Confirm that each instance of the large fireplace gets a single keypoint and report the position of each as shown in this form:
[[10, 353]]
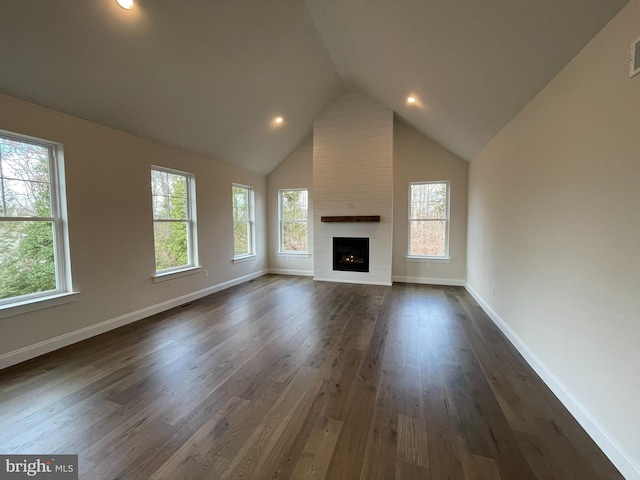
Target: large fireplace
[[352, 132], [351, 254]]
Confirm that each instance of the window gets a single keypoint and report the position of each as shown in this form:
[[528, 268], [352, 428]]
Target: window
[[293, 209], [34, 259], [243, 228], [174, 220], [429, 219]]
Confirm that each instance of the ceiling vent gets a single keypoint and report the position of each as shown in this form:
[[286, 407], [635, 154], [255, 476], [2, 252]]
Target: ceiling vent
[[634, 57]]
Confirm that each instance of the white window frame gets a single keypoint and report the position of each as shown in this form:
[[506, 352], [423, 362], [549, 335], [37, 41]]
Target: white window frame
[[192, 227], [61, 254], [281, 222], [251, 235], [447, 223]]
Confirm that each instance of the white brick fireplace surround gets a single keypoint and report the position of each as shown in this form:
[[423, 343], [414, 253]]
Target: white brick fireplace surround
[[352, 176]]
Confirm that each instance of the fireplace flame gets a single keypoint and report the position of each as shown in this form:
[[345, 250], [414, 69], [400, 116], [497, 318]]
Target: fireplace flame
[[351, 259]]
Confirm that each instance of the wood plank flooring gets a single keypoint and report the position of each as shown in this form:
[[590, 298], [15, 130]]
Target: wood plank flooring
[[283, 377]]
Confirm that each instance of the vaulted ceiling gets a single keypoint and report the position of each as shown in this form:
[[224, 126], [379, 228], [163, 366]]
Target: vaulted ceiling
[[209, 76]]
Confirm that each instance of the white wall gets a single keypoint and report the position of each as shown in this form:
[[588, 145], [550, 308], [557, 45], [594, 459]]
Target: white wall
[[353, 175], [554, 224], [417, 158], [111, 232], [296, 171]]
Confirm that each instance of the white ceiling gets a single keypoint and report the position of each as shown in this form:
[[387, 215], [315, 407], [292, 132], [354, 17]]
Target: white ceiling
[[209, 75]]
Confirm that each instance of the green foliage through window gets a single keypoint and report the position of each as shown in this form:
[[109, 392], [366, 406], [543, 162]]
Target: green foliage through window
[[294, 220], [242, 220], [27, 230], [172, 219]]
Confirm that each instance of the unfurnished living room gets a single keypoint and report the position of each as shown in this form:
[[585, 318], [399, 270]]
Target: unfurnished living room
[[323, 239]]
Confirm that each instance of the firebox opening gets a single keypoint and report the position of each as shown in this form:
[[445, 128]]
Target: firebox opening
[[351, 254]]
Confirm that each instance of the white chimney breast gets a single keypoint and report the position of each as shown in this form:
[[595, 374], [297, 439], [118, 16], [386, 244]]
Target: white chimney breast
[[353, 175]]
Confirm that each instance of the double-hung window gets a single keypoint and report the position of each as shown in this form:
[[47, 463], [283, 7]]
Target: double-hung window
[[243, 221], [293, 214], [34, 258], [174, 220], [429, 219]]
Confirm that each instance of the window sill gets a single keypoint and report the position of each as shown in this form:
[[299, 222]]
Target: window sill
[[294, 254], [244, 258], [37, 304], [411, 258], [164, 276]]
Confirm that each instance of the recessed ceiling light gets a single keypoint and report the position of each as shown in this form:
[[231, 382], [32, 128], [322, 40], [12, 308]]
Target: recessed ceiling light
[[411, 100], [126, 4], [279, 120]]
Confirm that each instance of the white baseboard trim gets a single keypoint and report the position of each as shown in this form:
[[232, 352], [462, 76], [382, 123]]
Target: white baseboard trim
[[629, 468], [288, 271], [31, 351], [430, 280], [359, 282]]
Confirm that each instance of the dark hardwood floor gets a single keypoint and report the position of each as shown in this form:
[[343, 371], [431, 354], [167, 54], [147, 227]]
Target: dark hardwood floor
[[284, 377]]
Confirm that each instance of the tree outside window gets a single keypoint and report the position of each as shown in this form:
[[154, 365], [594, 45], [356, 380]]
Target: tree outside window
[[293, 216], [33, 259], [243, 232], [429, 219], [173, 219]]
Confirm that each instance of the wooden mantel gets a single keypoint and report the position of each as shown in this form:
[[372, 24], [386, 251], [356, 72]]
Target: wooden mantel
[[351, 219]]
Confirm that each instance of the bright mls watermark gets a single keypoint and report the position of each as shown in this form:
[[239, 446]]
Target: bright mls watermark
[[50, 467]]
